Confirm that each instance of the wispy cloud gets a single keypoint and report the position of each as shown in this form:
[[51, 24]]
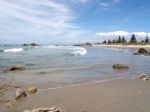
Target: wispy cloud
[[114, 27], [104, 6], [36, 19], [124, 20]]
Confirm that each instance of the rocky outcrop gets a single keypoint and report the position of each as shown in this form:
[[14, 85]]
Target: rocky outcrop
[[142, 51], [144, 77], [19, 94], [32, 90], [52, 109], [120, 66], [13, 68], [32, 44]]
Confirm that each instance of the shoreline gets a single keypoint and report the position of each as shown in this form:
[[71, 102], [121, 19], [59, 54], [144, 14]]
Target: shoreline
[[107, 96], [134, 47]]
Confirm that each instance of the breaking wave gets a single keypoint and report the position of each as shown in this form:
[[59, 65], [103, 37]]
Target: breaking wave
[[13, 50], [72, 49], [81, 51]]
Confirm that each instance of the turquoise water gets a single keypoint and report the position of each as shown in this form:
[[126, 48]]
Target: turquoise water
[[68, 64]]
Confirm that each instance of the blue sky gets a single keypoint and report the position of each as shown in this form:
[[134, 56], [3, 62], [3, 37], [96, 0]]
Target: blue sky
[[72, 21]]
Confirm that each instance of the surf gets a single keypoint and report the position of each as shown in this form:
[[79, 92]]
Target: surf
[[14, 50]]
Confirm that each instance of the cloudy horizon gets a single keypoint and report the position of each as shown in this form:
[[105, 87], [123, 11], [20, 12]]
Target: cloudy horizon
[[71, 21]]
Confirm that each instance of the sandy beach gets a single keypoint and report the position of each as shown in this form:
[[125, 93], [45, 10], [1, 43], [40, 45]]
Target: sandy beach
[[103, 95], [135, 47], [120, 95]]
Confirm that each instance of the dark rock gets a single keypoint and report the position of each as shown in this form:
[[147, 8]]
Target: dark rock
[[142, 51], [13, 68], [32, 44], [25, 45], [120, 66]]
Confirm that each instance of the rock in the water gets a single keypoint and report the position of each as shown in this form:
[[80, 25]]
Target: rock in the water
[[10, 104], [32, 90], [120, 66], [52, 109], [32, 44], [19, 94], [15, 68], [142, 51]]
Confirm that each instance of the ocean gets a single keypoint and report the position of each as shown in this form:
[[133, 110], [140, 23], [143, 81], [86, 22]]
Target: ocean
[[67, 65]]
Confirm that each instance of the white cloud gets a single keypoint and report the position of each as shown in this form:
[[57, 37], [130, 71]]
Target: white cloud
[[34, 20], [115, 34]]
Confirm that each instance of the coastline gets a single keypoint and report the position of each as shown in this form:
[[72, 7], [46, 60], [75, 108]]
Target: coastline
[[105, 96], [119, 94], [134, 47]]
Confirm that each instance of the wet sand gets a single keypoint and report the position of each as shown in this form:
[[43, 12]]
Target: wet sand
[[121, 95]]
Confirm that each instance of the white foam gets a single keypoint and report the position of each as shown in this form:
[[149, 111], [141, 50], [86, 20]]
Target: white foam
[[13, 50], [73, 49], [81, 51], [60, 47]]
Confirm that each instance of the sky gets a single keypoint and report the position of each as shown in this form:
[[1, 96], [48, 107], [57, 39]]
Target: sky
[[72, 21]]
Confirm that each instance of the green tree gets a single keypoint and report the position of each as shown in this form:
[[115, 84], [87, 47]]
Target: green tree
[[109, 41], [119, 39], [146, 39], [104, 42], [133, 39], [113, 41], [123, 39]]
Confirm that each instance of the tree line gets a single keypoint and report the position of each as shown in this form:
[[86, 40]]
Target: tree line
[[123, 40]]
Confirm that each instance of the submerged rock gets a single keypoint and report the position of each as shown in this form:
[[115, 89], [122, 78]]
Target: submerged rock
[[13, 68], [32, 90], [19, 94], [120, 66], [52, 109]]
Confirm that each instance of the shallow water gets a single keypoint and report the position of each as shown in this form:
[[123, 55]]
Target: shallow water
[[60, 65]]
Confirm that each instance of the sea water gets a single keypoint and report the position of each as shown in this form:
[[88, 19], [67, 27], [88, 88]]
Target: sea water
[[59, 65]]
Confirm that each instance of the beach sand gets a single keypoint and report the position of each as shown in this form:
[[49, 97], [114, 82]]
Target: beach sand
[[135, 47], [120, 95]]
